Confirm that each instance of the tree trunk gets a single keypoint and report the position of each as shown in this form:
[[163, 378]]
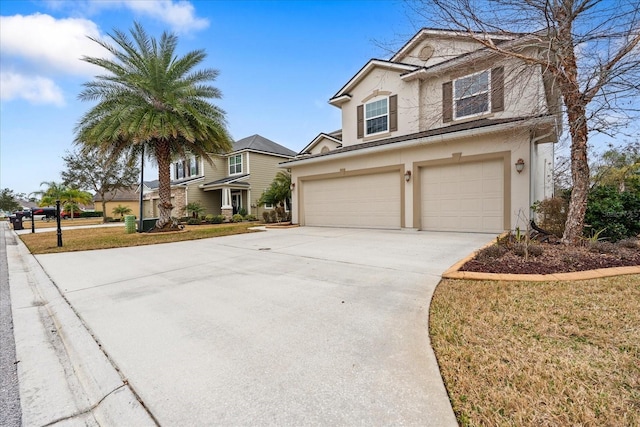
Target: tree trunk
[[163, 158], [577, 118], [104, 209]]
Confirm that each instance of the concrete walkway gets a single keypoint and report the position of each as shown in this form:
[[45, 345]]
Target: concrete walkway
[[304, 326]]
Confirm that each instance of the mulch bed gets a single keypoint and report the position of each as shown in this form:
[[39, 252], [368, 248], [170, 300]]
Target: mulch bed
[[555, 258]]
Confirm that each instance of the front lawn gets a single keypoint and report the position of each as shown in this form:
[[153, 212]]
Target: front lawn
[[540, 353], [115, 237]]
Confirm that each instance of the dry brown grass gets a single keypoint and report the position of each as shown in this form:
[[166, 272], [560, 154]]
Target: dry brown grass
[[540, 354], [26, 223], [115, 237]]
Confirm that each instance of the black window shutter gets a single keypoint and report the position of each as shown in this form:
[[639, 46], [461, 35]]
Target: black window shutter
[[447, 102], [393, 113], [497, 89], [360, 114]]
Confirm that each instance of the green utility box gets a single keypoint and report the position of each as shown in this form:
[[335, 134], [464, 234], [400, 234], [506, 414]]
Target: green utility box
[[130, 224], [148, 224]]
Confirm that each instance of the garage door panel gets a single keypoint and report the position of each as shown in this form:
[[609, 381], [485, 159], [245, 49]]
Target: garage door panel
[[463, 197], [366, 201]]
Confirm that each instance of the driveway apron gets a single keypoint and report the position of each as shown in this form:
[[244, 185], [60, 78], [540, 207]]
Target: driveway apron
[[303, 326]]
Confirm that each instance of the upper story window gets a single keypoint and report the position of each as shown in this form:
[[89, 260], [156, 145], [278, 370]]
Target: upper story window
[[471, 95], [376, 116], [180, 170], [235, 164], [193, 166]]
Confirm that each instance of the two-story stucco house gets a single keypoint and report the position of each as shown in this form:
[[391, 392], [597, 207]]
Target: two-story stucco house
[[233, 181], [445, 135]]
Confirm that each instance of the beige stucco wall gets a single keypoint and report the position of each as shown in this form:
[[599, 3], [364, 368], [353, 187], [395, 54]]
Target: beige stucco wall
[[383, 82], [445, 48], [516, 142], [133, 205], [324, 142]]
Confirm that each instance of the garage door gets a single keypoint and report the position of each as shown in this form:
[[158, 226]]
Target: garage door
[[463, 197], [366, 201]]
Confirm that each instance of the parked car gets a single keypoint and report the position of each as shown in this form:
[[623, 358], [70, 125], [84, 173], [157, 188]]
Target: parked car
[[67, 215], [44, 213]]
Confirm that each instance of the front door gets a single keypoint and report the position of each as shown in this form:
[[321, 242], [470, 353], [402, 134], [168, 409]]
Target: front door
[[236, 201]]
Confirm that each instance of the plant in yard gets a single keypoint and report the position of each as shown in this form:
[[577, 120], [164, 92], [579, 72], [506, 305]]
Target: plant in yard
[[121, 210], [237, 218], [194, 209], [66, 195], [278, 194], [152, 101], [242, 211], [266, 217]]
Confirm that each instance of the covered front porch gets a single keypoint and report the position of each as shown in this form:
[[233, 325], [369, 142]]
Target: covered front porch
[[231, 194]]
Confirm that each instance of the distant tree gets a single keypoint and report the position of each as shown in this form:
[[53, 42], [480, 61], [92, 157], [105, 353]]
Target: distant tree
[[66, 195], [8, 201], [151, 100], [121, 210], [89, 170], [591, 48], [619, 167]]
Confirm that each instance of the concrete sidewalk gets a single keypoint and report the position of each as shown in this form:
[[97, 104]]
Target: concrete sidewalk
[[304, 326], [64, 376]]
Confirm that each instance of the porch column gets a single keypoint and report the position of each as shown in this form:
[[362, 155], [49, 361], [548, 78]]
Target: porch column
[[226, 208]]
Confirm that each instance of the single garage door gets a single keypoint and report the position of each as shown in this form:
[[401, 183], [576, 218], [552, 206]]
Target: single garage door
[[463, 197], [365, 201]]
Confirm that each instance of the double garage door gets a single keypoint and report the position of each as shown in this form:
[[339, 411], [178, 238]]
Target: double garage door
[[365, 201], [456, 197]]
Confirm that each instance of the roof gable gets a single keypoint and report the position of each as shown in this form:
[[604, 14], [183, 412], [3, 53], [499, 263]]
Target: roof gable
[[318, 139]]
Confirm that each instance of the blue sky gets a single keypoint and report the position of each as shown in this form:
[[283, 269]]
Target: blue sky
[[279, 63]]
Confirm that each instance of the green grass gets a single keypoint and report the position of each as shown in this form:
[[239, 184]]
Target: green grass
[[115, 237]]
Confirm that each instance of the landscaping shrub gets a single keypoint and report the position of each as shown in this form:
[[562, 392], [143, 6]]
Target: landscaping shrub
[[243, 212], [491, 253], [273, 216], [600, 247], [615, 214], [630, 243], [551, 214], [95, 214], [266, 217], [214, 219], [236, 218], [521, 249], [209, 218], [250, 217], [194, 221]]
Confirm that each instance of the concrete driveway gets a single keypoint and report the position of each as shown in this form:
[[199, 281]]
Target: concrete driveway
[[303, 326]]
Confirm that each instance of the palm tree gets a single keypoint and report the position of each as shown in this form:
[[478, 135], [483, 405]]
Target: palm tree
[[69, 197], [121, 210], [152, 101]]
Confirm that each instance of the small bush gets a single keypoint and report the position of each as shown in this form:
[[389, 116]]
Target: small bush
[[600, 247], [630, 243], [521, 249], [616, 213], [250, 217], [215, 219], [111, 219], [95, 214], [273, 216], [243, 212], [236, 218], [491, 253], [209, 218], [552, 214], [194, 221], [266, 217]]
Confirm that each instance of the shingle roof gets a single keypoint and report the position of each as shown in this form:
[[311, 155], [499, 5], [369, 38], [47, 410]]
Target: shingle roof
[[226, 180], [260, 143], [120, 195]]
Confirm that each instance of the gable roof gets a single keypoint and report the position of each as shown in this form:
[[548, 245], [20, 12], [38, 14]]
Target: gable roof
[[319, 138], [343, 93], [263, 145], [120, 195]]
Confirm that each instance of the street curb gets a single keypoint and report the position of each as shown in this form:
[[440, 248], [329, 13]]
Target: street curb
[[454, 272], [64, 375]]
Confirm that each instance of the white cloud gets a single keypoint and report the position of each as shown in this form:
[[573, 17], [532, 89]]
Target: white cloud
[[180, 15], [36, 89], [49, 43]]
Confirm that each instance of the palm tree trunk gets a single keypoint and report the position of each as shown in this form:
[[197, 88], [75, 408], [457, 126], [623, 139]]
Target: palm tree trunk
[[163, 157]]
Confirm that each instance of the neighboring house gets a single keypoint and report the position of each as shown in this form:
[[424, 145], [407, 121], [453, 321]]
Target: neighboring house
[[233, 181], [430, 140], [128, 197]]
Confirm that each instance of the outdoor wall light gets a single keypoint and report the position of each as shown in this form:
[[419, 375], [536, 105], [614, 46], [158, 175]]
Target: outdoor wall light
[[520, 165], [293, 186], [407, 176]]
